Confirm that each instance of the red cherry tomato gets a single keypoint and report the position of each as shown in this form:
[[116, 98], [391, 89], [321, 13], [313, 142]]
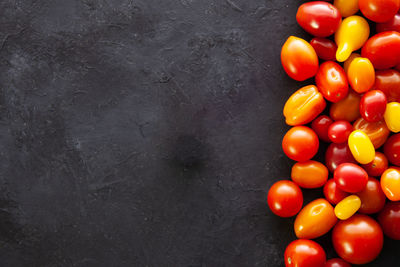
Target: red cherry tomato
[[391, 25], [318, 18], [379, 10], [300, 143], [285, 198], [350, 177], [389, 219], [304, 253], [332, 81], [358, 240], [392, 149], [337, 262], [325, 48], [320, 126], [372, 197], [337, 154], [377, 166], [373, 105], [339, 131], [332, 192], [388, 81]]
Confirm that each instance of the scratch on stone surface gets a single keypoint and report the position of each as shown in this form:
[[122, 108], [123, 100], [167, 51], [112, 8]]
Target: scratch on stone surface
[[234, 5]]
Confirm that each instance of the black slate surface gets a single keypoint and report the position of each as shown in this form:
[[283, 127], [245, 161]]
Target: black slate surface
[[144, 132]]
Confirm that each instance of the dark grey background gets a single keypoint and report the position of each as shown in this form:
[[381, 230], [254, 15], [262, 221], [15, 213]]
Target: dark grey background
[[144, 132]]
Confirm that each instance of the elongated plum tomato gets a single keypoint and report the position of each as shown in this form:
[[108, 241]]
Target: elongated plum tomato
[[391, 25], [358, 240], [325, 48], [377, 132], [332, 81], [383, 50], [372, 197], [300, 143], [379, 10], [361, 147], [333, 193], [303, 106], [337, 262], [361, 74], [388, 81], [339, 131], [309, 174], [337, 154], [299, 59], [315, 219], [346, 7], [285, 198], [392, 115], [390, 183], [304, 253], [347, 109], [392, 149], [350, 177], [318, 18], [377, 166], [389, 219], [373, 105], [347, 207], [321, 125]]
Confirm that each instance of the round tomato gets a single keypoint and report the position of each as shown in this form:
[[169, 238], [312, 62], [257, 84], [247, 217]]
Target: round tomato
[[388, 81], [358, 240], [390, 183], [300, 143], [377, 132], [377, 166], [337, 262], [332, 81], [339, 131], [350, 177], [304, 253], [333, 193], [347, 109], [337, 154], [373, 105], [392, 149], [321, 125], [379, 10], [325, 48], [389, 219], [285, 198], [372, 197], [391, 25], [309, 174]]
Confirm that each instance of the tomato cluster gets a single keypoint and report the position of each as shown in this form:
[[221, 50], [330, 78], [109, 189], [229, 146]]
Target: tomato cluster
[[354, 105]]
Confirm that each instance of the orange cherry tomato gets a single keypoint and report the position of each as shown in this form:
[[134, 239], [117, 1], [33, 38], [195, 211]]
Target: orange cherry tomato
[[390, 183], [377, 166], [372, 197], [303, 106], [315, 219], [377, 132], [309, 174], [347, 109], [361, 74], [300, 143]]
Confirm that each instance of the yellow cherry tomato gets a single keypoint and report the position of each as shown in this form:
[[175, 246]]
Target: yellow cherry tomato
[[351, 36], [361, 74], [392, 116], [361, 147], [346, 7], [347, 207], [390, 183], [349, 60]]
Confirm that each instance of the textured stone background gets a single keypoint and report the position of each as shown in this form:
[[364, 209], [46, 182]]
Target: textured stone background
[[144, 132]]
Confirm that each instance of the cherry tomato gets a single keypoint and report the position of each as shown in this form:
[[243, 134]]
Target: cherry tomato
[[348, 61], [309, 174], [337, 154], [285, 198], [304, 253], [332, 81], [390, 183], [361, 74], [392, 149], [347, 109], [321, 125], [372, 197], [389, 219], [361, 147], [388, 81], [337, 262], [347, 207], [332, 193], [392, 115], [299, 59], [358, 240], [383, 50], [346, 7], [377, 166], [379, 10], [377, 132], [300, 143], [391, 25], [304, 105], [373, 105], [318, 18], [350, 177], [339, 131], [325, 48]]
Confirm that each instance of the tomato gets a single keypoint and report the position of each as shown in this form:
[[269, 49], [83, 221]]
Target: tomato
[[358, 240], [388, 81], [337, 154], [347, 109], [337, 262], [332, 81], [350, 177], [348, 61], [325, 48], [332, 193], [304, 105], [377, 166], [377, 132], [300, 143], [361, 147], [383, 50], [373, 105], [392, 115], [285, 198], [390, 183], [318, 18], [361, 74], [372, 197], [347, 207], [346, 7], [339, 131], [299, 59], [304, 253], [391, 25], [321, 125], [309, 174], [389, 219], [392, 149], [315, 219], [379, 10]]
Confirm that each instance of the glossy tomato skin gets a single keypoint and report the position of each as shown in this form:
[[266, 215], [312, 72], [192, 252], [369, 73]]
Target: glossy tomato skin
[[304, 253], [285, 198], [372, 197], [300, 143], [373, 105], [350, 177], [332, 81], [337, 262], [379, 10], [377, 132], [318, 18], [347, 109], [337, 154], [358, 240], [389, 219], [309, 174], [321, 125], [388, 81], [333, 193], [392, 149], [361, 74], [325, 48], [339, 131], [299, 59], [391, 25], [377, 166], [390, 183]]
